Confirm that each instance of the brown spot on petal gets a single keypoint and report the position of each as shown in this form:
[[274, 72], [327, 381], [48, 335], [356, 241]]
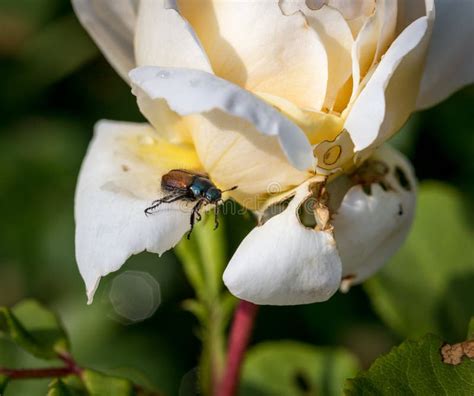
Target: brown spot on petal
[[125, 168], [315, 4], [314, 212], [274, 209], [402, 178], [400, 210], [322, 213], [371, 172], [332, 155], [346, 283]]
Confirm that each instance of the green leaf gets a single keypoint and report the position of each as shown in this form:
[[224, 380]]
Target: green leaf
[[3, 383], [188, 253], [204, 258], [427, 287], [197, 309], [470, 330], [414, 368], [67, 387], [212, 248], [98, 384], [34, 328], [291, 368]]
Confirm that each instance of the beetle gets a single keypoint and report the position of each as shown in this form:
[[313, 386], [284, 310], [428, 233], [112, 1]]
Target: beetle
[[184, 185]]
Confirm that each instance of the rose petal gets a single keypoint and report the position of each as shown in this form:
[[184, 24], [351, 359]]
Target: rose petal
[[334, 155], [119, 178], [164, 38], [450, 62], [235, 154], [374, 38], [388, 26], [337, 39], [408, 12], [389, 97], [353, 9], [252, 44], [193, 91], [284, 263], [317, 125], [111, 24], [369, 229]]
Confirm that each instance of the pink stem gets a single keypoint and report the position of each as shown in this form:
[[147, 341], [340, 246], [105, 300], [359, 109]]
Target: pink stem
[[71, 368], [241, 331], [71, 364], [37, 373]]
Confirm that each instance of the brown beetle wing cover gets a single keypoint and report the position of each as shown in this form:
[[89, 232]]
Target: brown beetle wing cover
[[177, 180]]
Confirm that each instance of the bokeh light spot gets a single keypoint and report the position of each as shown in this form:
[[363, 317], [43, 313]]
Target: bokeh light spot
[[135, 295]]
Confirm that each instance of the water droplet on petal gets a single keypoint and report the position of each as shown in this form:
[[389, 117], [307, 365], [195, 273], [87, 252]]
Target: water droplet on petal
[[145, 139], [315, 4], [163, 74]]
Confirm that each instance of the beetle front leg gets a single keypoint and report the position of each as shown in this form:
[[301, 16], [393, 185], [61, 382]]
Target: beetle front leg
[[216, 217], [168, 199], [195, 213]]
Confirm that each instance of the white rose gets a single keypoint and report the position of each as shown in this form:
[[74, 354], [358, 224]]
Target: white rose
[[261, 94]]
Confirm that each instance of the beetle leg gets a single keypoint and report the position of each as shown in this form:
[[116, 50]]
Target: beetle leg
[[198, 215], [164, 199], [216, 219], [158, 202], [193, 216]]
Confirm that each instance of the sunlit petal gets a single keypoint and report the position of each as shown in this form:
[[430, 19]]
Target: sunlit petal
[[252, 44], [389, 97], [283, 262], [112, 26], [192, 92], [164, 38], [119, 178]]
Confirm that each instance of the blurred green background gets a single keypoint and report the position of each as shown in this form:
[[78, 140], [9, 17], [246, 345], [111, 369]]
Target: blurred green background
[[55, 86]]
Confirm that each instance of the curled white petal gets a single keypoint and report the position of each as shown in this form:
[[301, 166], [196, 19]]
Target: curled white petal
[[164, 38], [193, 91], [390, 95], [234, 153], [408, 12], [369, 229], [450, 62], [115, 186], [112, 26], [253, 45], [285, 263]]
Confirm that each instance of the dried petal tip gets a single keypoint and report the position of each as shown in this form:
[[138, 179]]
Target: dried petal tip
[[346, 283]]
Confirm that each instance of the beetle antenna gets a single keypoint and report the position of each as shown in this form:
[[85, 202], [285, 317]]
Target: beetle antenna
[[231, 189]]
